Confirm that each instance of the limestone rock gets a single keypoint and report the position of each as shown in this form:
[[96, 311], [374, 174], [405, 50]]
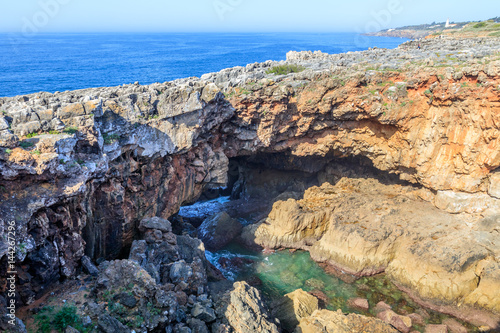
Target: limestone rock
[[293, 307], [325, 321], [356, 226], [246, 313], [436, 329]]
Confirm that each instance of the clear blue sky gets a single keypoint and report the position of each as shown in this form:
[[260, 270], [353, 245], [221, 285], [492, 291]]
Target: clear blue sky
[[233, 15]]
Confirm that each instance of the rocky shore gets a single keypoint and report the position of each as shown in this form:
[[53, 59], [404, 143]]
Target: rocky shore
[[374, 161]]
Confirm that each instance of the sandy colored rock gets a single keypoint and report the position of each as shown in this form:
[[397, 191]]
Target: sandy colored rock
[[401, 323], [454, 326], [246, 313], [359, 303], [436, 329], [325, 321], [363, 227], [293, 307]]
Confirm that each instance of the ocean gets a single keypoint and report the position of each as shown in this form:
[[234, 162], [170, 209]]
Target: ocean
[[59, 62]]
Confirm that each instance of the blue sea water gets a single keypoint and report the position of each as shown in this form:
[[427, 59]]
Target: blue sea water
[[59, 62]]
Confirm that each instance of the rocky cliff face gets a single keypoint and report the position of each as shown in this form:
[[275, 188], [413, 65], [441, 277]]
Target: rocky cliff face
[[80, 169]]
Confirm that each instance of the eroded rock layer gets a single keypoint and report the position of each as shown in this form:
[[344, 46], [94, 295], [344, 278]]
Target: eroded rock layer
[[79, 170]]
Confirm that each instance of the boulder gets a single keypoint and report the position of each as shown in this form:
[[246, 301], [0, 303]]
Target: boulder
[[359, 304], [203, 312], [293, 307], [218, 230], [155, 223], [109, 324], [89, 267], [401, 323]]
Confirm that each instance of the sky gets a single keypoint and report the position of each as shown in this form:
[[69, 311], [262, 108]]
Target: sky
[[35, 16]]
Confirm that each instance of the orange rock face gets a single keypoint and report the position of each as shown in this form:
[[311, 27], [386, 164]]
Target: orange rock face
[[428, 127]]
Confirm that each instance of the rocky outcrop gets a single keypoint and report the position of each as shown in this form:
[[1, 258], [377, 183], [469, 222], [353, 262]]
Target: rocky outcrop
[[245, 312], [79, 170], [293, 307], [364, 227], [337, 322]]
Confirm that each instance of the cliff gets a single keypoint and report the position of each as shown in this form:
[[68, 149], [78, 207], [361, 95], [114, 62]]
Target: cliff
[[79, 170]]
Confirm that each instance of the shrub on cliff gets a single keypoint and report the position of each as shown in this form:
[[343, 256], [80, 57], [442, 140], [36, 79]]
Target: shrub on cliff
[[285, 69]]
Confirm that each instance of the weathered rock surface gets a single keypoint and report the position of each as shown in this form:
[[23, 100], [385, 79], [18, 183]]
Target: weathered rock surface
[[245, 311], [293, 307], [218, 230], [336, 322], [99, 161], [363, 227]]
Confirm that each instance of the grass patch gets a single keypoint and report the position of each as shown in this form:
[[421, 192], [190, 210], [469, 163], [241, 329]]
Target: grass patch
[[36, 152], [70, 130], [110, 138], [479, 25], [26, 144], [47, 320], [285, 69], [8, 151], [495, 34]]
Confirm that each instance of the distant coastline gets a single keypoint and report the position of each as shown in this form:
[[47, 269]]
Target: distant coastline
[[487, 28]]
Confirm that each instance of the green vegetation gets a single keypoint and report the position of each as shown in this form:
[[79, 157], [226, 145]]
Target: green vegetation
[[70, 130], [8, 151], [285, 69], [36, 152], [110, 138], [31, 135], [479, 25], [54, 132], [47, 320], [26, 144]]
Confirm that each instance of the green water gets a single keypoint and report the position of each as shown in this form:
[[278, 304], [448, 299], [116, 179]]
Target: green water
[[282, 272]]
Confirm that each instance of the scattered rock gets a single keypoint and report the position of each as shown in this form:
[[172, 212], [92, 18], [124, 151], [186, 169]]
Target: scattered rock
[[416, 319], [70, 329], [382, 306], [401, 323], [204, 313], [358, 303], [89, 267], [109, 324]]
